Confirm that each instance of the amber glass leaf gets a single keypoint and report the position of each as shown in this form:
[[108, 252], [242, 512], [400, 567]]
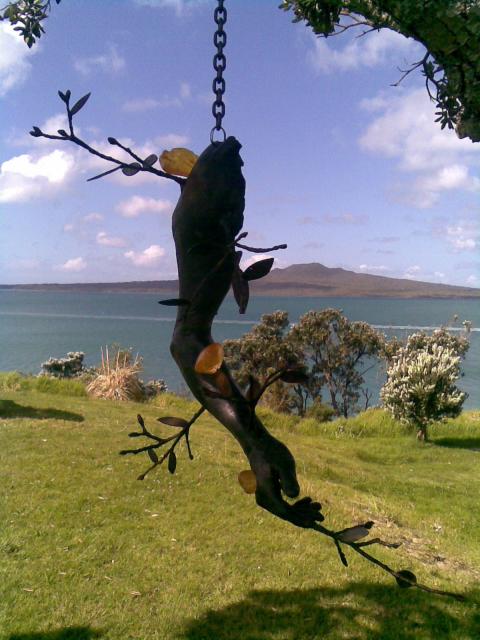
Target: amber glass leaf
[[210, 359], [248, 481]]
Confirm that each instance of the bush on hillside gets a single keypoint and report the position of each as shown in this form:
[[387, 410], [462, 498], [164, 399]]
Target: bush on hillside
[[69, 367], [117, 378], [421, 384], [320, 412]]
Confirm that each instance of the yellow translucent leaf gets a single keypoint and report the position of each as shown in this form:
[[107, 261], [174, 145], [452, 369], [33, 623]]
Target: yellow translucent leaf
[[248, 481], [178, 161], [210, 359]]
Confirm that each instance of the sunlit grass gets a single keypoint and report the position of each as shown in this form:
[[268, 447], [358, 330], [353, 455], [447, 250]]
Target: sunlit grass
[[88, 551]]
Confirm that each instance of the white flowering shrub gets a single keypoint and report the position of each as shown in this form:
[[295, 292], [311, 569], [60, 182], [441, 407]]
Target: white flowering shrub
[[421, 386]]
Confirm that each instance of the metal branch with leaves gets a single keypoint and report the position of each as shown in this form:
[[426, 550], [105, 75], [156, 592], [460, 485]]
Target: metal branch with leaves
[[150, 450], [127, 168]]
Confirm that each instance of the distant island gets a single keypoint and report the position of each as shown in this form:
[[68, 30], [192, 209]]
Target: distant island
[[298, 280]]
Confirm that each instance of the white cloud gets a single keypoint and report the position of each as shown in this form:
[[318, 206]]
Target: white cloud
[[69, 227], [14, 59], [344, 218], [137, 205], [93, 217], [172, 140], [185, 91], [462, 237], [472, 279], [412, 273], [147, 104], [404, 129], [110, 62], [74, 264], [110, 241], [256, 258], [151, 256], [378, 48], [371, 268], [23, 177], [181, 7], [139, 105]]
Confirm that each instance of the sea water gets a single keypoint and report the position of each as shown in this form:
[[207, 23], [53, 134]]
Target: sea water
[[35, 325]]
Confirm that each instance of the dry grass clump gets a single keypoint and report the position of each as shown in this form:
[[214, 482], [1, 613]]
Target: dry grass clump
[[117, 378]]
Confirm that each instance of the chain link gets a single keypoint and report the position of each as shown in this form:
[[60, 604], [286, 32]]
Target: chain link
[[219, 64]]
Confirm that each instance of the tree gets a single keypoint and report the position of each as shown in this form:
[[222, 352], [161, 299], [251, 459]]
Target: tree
[[420, 386], [448, 29], [263, 351], [330, 347], [27, 17], [336, 348]]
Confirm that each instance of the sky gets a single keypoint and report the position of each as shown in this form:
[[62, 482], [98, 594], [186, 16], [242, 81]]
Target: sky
[[347, 169]]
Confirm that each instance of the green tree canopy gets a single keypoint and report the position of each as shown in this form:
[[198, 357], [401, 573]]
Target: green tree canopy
[[448, 29]]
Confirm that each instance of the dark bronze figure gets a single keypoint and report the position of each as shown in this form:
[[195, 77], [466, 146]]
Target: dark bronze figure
[[206, 221]]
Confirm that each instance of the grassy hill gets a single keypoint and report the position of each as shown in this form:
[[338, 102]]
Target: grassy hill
[[87, 551]]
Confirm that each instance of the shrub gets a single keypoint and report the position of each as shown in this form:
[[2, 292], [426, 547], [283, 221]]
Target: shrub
[[117, 377], [69, 367], [420, 386], [320, 412]]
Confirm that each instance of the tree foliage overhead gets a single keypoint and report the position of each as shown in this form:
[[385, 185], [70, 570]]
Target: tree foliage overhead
[[448, 29], [27, 16]]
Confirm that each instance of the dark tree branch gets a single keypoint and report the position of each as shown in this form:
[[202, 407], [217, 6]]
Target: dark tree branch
[[62, 135]]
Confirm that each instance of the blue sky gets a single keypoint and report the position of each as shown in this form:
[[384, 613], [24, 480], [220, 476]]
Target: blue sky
[[345, 168]]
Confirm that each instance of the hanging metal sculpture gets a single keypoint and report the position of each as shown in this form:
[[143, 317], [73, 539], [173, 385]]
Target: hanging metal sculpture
[[207, 224]]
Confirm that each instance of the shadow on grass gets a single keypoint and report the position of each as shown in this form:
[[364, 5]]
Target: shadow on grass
[[458, 443], [69, 633], [358, 611], [10, 409]]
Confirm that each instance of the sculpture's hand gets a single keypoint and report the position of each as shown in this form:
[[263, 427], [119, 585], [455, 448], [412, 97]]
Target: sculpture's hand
[[274, 468]]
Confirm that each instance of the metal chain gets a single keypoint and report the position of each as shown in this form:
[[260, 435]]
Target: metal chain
[[219, 64]]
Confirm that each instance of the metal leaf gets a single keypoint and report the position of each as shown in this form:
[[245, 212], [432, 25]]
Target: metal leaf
[[140, 421], [209, 359], [152, 455], [150, 160], [222, 383], [241, 290], [405, 579], [258, 269], [248, 481], [79, 104], [132, 169], [352, 534], [135, 434], [63, 133], [172, 462], [174, 302], [174, 422]]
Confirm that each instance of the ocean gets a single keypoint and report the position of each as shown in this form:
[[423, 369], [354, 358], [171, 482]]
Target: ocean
[[35, 325]]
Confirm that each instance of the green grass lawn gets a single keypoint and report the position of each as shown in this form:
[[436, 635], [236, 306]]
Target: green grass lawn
[[87, 551]]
